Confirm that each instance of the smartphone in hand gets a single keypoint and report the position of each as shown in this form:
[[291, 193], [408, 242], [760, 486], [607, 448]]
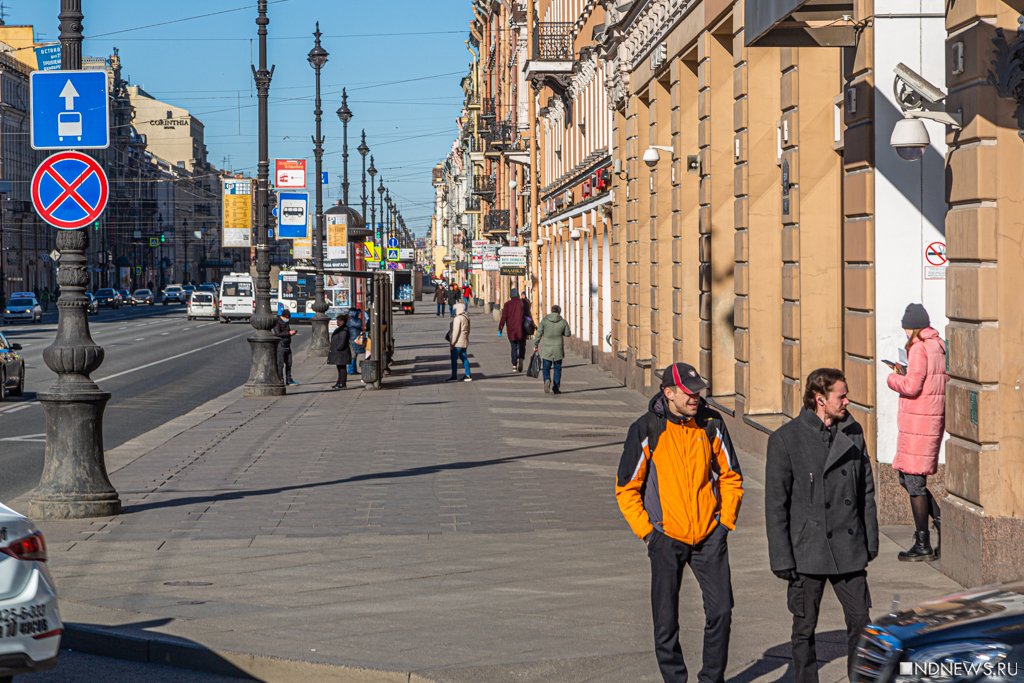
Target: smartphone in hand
[[898, 368]]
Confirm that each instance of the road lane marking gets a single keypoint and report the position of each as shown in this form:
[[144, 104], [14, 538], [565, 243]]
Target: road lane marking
[[170, 358], [164, 334], [141, 339], [18, 406], [38, 438]]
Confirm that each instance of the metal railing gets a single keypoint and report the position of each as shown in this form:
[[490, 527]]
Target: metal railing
[[497, 221], [472, 204], [488, 108], [484, 184], [553, 41]]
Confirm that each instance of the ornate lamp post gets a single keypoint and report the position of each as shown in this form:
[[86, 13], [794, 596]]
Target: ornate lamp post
[[74, 483], [319, 343], [264, 373], [380, 229], [363, 151], [345, 114], [372, 172]]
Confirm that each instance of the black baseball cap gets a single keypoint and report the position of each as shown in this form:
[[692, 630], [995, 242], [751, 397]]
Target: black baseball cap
[[684, 376]]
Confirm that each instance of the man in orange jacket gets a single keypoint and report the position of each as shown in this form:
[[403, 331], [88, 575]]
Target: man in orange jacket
[[679, 486]]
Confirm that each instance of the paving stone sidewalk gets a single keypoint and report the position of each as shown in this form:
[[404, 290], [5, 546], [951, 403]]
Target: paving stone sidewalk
[[439, 531]]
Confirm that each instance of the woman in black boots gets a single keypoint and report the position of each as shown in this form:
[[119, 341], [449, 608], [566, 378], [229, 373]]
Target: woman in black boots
[[340, 353]]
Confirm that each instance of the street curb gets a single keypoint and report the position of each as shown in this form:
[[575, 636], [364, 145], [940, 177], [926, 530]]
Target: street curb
[[170, 651]]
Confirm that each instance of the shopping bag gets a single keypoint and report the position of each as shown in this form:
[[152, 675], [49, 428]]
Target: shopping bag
[[534, 369]]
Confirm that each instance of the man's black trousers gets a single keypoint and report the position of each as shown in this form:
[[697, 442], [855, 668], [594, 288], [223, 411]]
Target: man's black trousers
[[284, 362], [518, 350], [804, 600], [709, 562]]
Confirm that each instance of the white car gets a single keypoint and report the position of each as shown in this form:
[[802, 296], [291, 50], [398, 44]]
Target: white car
[[202, 305], [23, 307], [30, 625]]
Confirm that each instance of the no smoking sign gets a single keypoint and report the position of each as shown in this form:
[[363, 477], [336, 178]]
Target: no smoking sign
[[935, 261]]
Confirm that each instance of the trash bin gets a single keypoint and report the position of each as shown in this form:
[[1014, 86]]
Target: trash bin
[[370, 370]]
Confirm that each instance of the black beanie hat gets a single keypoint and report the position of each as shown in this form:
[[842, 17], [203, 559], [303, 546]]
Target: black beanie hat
[[915, 318]]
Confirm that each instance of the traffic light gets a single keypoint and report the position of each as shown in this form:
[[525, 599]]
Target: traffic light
[[163, 238], [96, 226]]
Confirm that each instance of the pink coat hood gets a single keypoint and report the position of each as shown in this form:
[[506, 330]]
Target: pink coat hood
[[922, 411]]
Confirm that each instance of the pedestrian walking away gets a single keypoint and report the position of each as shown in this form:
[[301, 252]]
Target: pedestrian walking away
[[356, 338], [467, 295], [679, 486], [820, 515], [550, 342], [440, 298], [340, 353], [454, 295], [458, 340], [921, 420], [516, 321], [283, 331]]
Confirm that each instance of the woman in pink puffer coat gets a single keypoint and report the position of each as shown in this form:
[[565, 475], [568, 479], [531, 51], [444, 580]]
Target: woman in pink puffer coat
[[921, 421]]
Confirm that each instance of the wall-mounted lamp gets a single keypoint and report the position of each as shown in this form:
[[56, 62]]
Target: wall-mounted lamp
[[512, 184]]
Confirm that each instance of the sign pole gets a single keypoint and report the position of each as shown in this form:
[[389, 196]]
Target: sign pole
[[74, 483]]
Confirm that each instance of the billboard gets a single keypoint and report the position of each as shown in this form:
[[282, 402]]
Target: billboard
[[237, 212], [337, 237], [512, 260]]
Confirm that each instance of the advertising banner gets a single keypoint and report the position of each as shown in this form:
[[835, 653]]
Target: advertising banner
[[290, 173], [337, 237], [237, 218], [512, 260]]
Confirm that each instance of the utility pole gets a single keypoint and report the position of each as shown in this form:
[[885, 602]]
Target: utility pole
[[74, 483], [264, 373]]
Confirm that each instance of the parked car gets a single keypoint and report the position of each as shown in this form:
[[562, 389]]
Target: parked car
[[12, 379], [29, 615], [109, 298], [23, 306], [94, 306], [142, 297], [173, 294], [978, 632], [203, 304]]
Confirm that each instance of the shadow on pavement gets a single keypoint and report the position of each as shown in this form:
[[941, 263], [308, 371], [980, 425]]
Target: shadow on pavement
[[135, 643], [831, 645], [398, 474]]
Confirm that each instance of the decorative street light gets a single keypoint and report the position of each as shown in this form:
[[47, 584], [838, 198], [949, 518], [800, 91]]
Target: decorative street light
[[74, 483], [345, 114], [380, 228], [319, 343], [363, 151], [264, 373]]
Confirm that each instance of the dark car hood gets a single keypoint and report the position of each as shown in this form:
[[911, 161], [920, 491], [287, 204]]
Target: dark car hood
[[988, 612]]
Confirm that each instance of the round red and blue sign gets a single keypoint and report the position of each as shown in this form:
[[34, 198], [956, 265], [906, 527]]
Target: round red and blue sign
[[70, 190]]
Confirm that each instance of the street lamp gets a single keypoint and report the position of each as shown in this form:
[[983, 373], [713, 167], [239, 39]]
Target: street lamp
[[319, 343], [345, 114], [363, 151], [372, 172], [264, 373], [380, 228], [74, 483]]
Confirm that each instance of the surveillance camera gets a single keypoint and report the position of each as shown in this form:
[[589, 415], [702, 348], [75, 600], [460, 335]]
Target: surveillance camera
[[575, 234], [651, 157], [912, 89], [909, 139]]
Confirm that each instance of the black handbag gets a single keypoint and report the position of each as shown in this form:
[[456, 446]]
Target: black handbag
[[534, 369], [448, 336]]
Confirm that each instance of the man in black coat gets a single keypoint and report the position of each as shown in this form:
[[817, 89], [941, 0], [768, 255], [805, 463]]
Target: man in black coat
[[283, 331], [340, 353], [820, 515]]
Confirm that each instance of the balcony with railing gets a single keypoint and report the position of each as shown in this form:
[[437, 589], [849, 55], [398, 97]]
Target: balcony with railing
[[473, 204], [484, 185], [497, 221], [488, 108], [504, 139], [553, 53]]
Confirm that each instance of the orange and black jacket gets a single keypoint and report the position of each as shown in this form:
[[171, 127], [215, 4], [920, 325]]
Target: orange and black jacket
[[679, 475]]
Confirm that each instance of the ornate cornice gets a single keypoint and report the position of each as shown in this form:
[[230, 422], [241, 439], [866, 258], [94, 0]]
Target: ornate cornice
[[632, 31]]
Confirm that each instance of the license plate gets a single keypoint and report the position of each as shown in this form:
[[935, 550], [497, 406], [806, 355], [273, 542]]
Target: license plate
[[229, 307], [27, 620]]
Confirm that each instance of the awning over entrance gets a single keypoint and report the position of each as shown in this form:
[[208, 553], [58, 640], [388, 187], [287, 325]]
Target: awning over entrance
[[799, 23]]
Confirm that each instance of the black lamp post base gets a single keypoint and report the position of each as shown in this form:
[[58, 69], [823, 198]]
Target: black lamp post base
[[264, 376], [320, 340], [74, 484]]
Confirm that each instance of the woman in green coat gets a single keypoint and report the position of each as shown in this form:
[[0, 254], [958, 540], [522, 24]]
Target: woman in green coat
[[551, 344]]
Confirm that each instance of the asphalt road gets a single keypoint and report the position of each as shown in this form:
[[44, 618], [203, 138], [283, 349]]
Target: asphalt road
[[157, 366]]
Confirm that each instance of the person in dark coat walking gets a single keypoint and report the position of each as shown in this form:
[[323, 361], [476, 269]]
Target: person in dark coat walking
[[283, 330], [515, 311], [440, 298], [820, 515], [454, 296], [340, 353]]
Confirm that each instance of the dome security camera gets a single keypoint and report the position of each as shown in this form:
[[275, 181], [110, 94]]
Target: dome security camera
[[910, 139], [651, 157], [575, 233]]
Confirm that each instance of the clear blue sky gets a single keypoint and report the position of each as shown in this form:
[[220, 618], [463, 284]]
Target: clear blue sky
[[202, 63]]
